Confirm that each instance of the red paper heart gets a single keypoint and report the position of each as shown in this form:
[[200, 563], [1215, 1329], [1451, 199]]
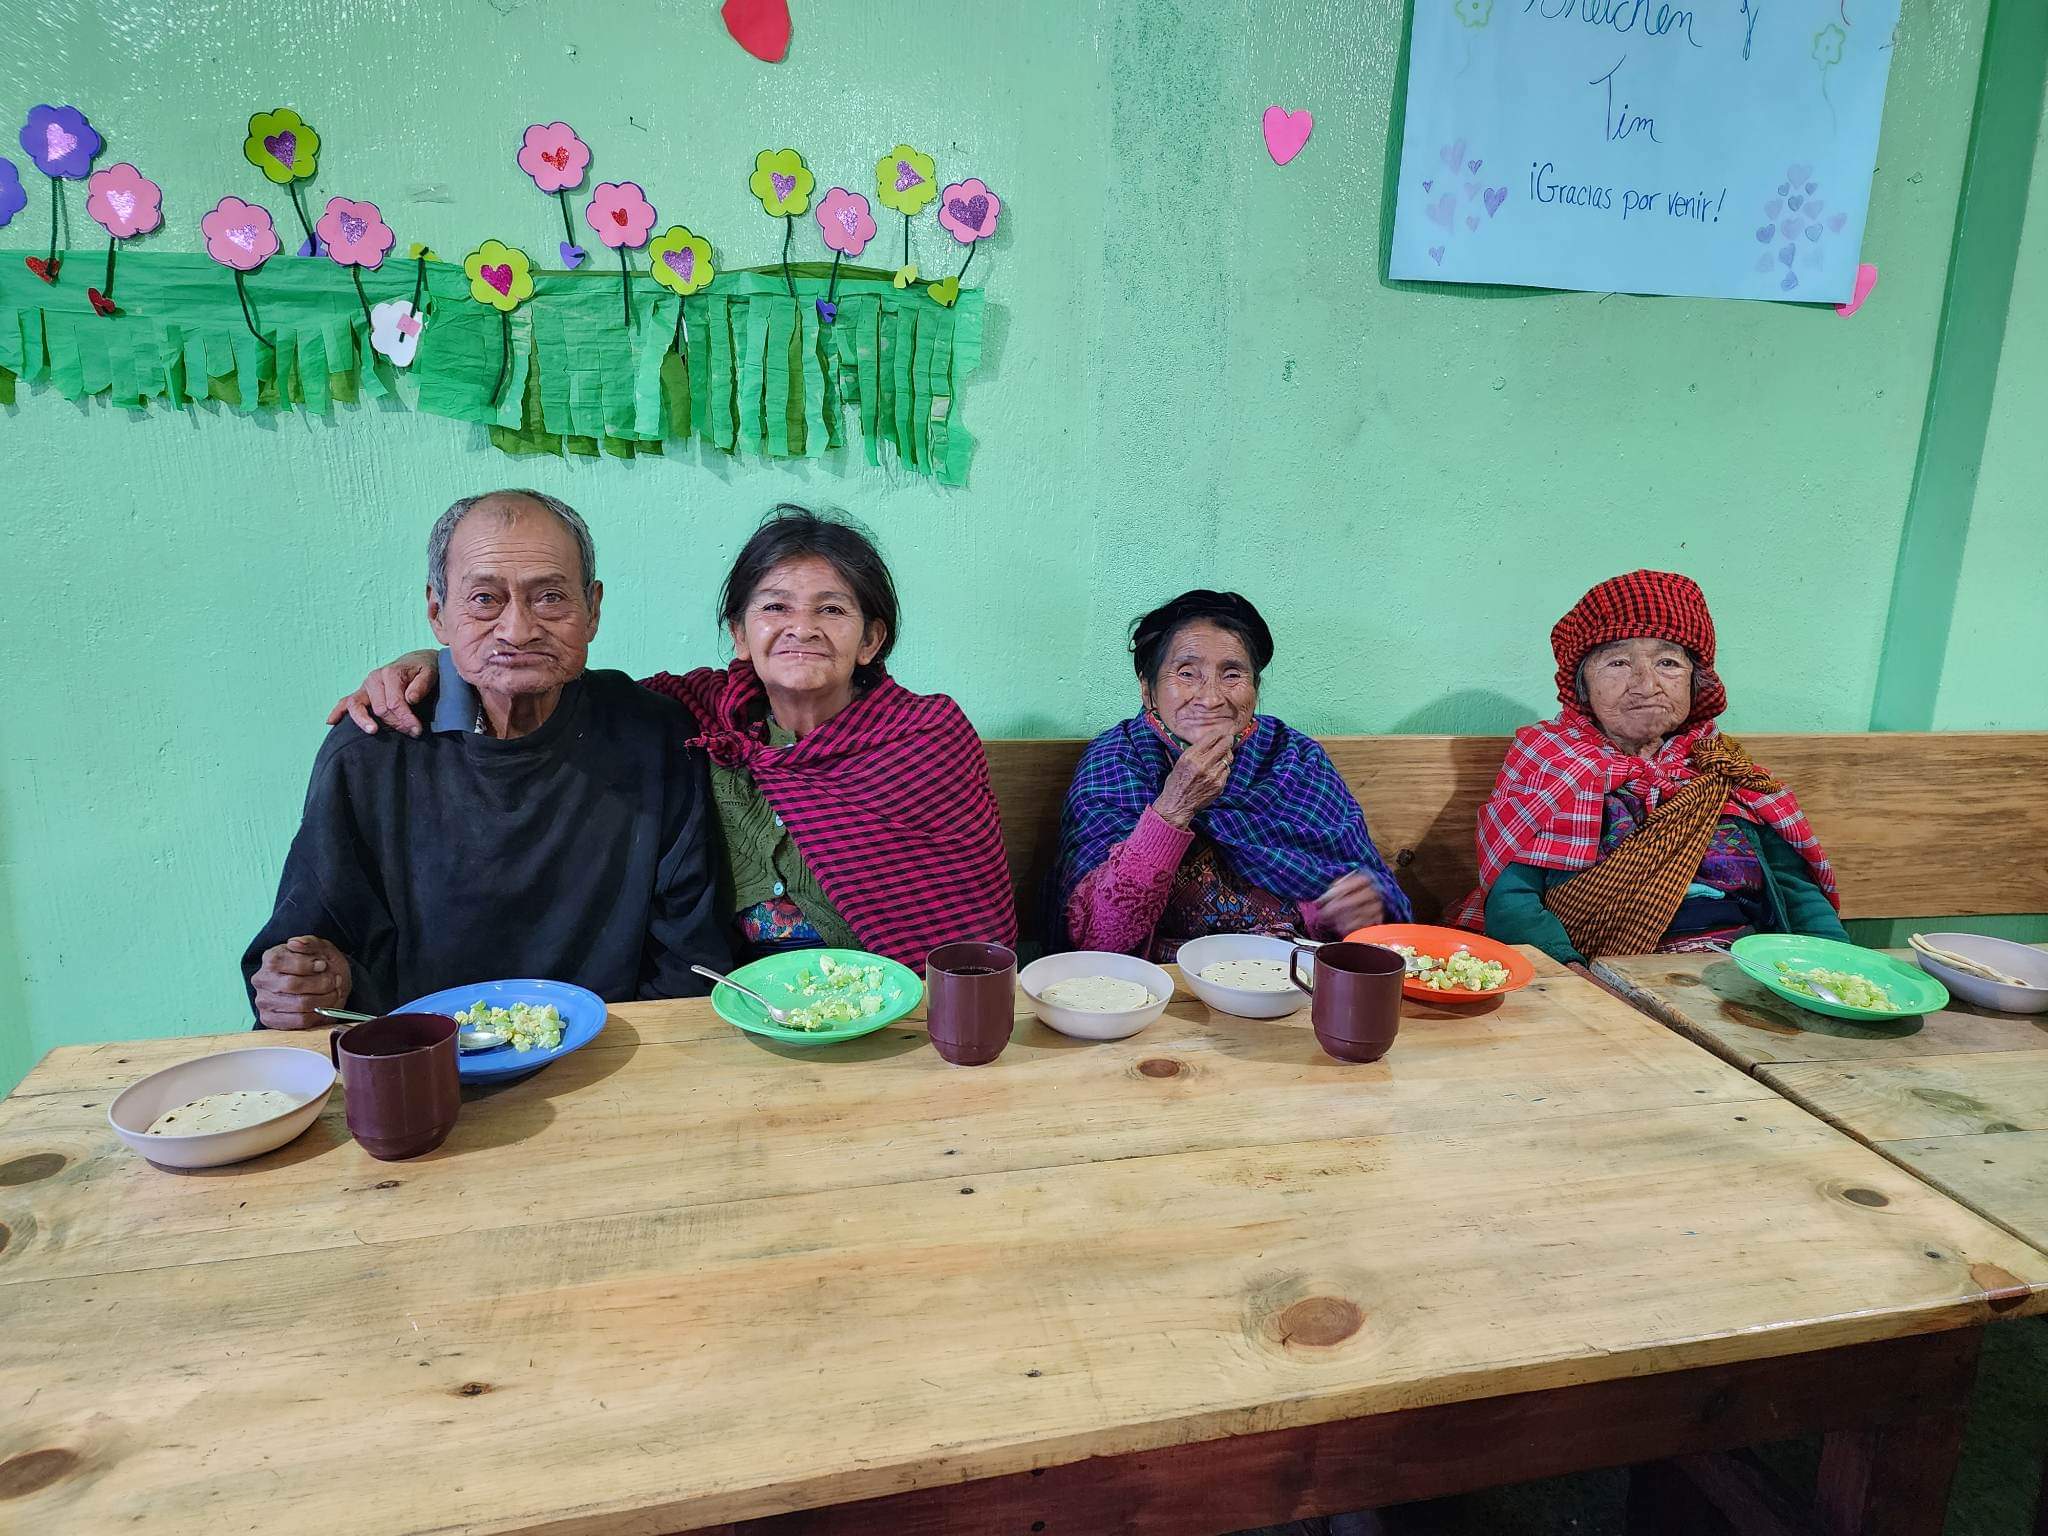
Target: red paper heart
[[46, 270], [101, 304], [759, 26], [558, 158], [619, 217]]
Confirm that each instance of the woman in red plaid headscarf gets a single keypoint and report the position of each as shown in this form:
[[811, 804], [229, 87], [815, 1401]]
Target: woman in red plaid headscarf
[[1630, 823]]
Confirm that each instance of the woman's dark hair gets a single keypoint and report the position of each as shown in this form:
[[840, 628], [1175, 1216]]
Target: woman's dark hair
[[791, 532], [1153, 634]]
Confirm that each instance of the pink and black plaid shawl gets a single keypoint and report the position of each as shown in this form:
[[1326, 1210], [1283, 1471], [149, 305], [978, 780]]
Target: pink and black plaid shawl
[[888, 802]]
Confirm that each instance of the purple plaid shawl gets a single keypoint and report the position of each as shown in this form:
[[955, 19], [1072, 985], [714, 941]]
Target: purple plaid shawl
[[1285, 821]]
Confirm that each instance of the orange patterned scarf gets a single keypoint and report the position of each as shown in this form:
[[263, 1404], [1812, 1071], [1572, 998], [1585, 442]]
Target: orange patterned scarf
[[1623, 904]]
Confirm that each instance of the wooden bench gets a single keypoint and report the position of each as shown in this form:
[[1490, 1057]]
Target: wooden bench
[[1936, 825]]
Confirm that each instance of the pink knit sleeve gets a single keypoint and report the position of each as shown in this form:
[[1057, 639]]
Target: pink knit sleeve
[[1117, 905]]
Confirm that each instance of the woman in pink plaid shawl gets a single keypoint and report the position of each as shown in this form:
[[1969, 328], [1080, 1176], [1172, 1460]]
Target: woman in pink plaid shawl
[[854, 814], [1630, 823]]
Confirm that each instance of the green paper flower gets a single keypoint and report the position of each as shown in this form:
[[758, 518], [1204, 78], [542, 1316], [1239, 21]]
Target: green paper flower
[[499, 275], [281, 145], [906, 180], [782, 182], [680, 261]]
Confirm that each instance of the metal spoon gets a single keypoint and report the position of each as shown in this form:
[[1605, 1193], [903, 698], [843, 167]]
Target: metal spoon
[[773, 1012], [470, 1037]]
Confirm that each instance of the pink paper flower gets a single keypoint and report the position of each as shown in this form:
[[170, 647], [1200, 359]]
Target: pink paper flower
[[620, 213], [239, 235], [845, 219], [123, 201], [355, 234], [968, 210], [554, 157]]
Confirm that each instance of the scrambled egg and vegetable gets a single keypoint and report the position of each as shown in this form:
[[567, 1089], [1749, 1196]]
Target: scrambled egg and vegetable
[[837, 994], [528, 1028], [1856, 991], [1462, 971]]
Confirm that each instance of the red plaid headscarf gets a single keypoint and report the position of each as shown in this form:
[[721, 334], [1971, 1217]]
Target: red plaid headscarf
[[888, 801], [1547, 804]]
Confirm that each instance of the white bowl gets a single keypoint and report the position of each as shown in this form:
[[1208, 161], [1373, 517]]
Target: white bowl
[[308, 1076], [2022, 960], [1042, 973], [1216, 948]]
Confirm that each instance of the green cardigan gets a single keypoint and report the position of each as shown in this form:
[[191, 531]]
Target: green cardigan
[[762, 860], [1516, 914]]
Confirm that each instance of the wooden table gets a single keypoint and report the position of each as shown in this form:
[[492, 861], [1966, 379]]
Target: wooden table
[[1959, 1097], [1190, 1282]]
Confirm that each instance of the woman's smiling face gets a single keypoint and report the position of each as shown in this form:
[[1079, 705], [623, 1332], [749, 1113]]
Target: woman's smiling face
[[1205, 683], [803, 631]]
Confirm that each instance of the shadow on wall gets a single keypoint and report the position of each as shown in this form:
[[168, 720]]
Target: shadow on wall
[[1470, 712]]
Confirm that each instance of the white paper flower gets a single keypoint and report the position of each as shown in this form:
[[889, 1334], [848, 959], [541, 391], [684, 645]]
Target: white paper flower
[[395, 331]]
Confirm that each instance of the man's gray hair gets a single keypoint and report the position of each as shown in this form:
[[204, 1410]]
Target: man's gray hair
[[444, 531]]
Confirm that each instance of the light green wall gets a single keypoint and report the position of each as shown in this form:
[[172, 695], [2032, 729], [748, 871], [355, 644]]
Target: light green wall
[[1996, 672], [1193, 377]]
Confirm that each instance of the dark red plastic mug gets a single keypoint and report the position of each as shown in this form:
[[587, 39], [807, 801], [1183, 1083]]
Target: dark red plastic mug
[[970, 1001], [1356, 994], [399, 1082]]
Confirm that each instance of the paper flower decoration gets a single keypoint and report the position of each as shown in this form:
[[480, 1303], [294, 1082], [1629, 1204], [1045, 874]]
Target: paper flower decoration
[[782, 182], [239, 235], [499, 275], [968, 211], [846, 222], [906, 181], [554, 157], [620, 213], [355, 234], [241, 238], [682, 261], [60, 142], [395, 331], [1474, 13], [12, 198], [123, 201], [281, 145]]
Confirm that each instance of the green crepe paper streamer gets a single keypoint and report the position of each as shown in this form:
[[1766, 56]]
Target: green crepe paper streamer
[[6, 385], [724, 381], [759, 373], [781, 428]]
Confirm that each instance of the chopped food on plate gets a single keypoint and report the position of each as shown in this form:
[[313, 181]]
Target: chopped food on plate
[[1462, 971], [527, 1028], [1856, 991], [837, 994]]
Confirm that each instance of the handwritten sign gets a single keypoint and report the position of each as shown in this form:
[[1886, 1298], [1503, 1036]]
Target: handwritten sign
[[1721, 148]]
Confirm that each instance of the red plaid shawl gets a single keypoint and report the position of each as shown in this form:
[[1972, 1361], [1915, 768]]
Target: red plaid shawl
[[888, 801], [1546, 806]]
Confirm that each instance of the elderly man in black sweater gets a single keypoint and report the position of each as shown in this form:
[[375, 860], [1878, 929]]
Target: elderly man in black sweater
[[551, 823]]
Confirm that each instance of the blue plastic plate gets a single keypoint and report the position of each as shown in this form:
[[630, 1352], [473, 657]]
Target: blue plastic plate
[[582, 1012]]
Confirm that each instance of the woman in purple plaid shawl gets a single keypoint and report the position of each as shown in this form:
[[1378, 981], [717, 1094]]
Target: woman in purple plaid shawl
[[1200, 815]]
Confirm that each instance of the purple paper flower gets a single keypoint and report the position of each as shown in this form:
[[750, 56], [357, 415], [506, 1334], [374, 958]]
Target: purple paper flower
[[60, 141], [12, 198]]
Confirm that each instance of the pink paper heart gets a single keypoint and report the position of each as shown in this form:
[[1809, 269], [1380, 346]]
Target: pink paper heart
[[499, 277], [245, 235], [1285, 132], [59, 142], [1866, 279], [123, 204], [683, 262], [408, 325], [849, 220]]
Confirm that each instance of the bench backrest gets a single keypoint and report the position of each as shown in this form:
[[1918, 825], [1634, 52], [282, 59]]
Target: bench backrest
[[1935, 825]]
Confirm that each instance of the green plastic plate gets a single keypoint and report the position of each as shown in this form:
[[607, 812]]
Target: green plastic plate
[[777, 979], [1911, 988]]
